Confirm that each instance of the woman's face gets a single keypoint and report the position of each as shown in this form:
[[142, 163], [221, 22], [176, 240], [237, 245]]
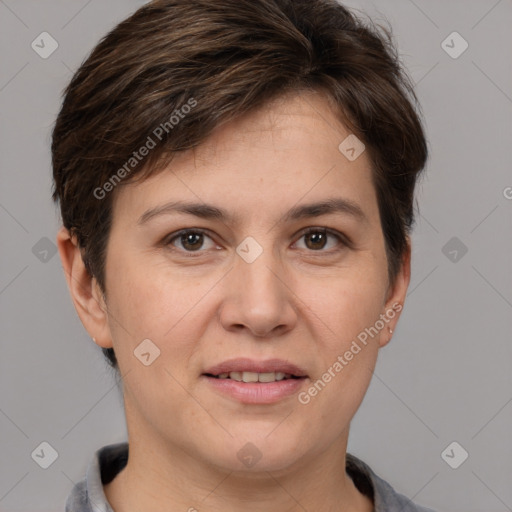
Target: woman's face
[[250, 292]]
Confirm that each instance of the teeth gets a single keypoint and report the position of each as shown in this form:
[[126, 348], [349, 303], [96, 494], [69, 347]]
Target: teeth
[[254, 376], [266, 377], [250, 377]]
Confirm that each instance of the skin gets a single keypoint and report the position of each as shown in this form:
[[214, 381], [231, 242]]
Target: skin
[[301, 300]]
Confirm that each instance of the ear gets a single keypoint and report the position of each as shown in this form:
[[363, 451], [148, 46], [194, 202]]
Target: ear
[[84, 289], [395, 299]]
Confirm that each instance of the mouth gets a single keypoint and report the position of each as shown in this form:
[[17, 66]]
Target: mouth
[[250, 370], [255, 382], [254, 376]]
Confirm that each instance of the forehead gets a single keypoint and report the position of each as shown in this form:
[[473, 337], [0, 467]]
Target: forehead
[[284, 125], [282, 154]]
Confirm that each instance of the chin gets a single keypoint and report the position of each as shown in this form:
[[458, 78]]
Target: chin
[[252, 451]]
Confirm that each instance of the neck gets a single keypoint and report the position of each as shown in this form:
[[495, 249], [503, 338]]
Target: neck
[[164, 476], [171, 480]]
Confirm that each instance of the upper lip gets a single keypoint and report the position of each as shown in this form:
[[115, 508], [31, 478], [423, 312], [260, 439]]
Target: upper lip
[[242, 364]]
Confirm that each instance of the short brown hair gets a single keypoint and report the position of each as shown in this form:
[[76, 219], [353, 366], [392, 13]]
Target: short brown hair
[[224, 58]]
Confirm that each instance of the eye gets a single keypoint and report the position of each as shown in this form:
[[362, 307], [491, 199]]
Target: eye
[[317, 239], [191, 240]]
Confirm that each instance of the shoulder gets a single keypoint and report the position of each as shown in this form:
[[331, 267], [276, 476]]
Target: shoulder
[[385, 498], [77, 500], [88, 494]]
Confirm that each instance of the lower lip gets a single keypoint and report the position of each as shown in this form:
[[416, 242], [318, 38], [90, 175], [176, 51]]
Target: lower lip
[[256, 392]]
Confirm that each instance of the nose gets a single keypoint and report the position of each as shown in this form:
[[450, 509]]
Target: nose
[[258, 297]]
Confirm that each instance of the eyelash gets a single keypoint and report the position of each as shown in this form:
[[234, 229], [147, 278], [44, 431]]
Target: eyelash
[[344, 241]]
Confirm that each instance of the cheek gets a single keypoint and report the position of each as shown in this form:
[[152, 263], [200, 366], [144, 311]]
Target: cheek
[[346, 303], [147, 301], [147, 297], [346, 312]]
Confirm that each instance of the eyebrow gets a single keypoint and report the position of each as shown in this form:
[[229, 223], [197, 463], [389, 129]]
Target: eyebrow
[[206, 211]]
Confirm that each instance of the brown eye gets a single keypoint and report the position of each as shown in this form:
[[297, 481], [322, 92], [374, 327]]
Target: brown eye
[[323, 240], [316, 239], [190, 241]]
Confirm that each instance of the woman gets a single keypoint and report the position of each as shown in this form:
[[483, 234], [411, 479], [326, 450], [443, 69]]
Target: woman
[[236, 184]]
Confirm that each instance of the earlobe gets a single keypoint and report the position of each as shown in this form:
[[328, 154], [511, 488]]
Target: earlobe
[[85, 292], [396, 296]]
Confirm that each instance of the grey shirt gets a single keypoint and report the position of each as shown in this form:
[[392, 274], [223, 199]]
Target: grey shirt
[[88, 496]]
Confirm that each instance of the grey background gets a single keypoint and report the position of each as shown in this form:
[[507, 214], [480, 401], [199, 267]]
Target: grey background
[[446, 374]]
